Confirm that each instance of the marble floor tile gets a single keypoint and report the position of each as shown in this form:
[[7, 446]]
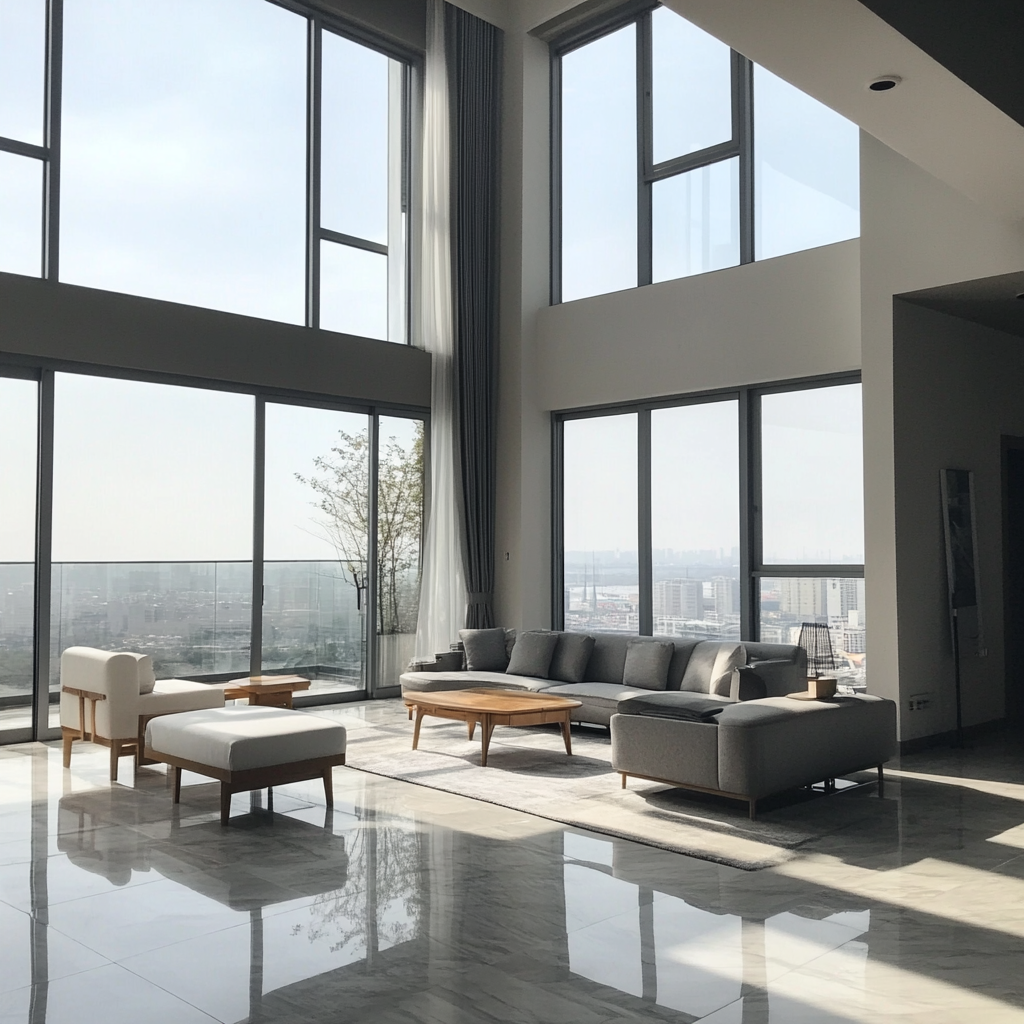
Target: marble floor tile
[[406, 905]]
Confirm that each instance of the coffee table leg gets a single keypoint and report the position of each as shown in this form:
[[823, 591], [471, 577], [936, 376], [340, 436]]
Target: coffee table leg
[[567, 735], [486, 726], [470, 726], [416, 729]]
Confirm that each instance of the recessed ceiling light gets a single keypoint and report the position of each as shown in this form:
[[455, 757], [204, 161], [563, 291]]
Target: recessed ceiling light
[[884, 83]]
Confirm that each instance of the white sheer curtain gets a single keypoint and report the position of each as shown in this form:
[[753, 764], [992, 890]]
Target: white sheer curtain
[[443, 590]]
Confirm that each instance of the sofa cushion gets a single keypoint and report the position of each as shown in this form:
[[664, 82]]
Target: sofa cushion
[[485, 649], [147, 677], [532, 653], [728, 660], [572, 653], [603, 695], [691, 707], [425, 682], [646, 664]]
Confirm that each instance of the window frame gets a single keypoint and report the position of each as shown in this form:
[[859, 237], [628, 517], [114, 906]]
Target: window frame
[[741, 145], [752, 567], [317, 23]]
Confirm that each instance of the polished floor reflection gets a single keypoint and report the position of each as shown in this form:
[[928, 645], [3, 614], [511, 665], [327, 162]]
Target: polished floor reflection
[[409, 905]]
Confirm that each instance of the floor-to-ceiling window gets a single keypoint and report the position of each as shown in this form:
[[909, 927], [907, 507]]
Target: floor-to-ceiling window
[[152, 524], [731, 515], [18, 452], [316, 544]]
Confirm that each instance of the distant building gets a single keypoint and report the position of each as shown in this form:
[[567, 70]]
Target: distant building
[[726, 597], [679, 599]]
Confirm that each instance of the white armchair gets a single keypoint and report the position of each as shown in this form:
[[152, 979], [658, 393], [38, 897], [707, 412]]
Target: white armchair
[[109, 696]]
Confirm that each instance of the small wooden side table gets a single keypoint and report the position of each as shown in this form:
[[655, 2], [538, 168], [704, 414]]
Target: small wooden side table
[[266, 691]]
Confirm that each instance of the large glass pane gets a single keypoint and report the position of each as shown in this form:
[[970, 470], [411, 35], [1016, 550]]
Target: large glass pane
[[692, 80], [353, 291], [812, 477], [788, 602], [695, 525], [806, 170], [21, 215], [601, 586], [599, 178], [22, 69], [18, 428], [400, 515], [316, 516], [696, 224], [354, 154], [183, 170], [152, 523]]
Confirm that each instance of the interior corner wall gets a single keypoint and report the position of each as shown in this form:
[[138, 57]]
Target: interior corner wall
[[916, 232], [956, 388]]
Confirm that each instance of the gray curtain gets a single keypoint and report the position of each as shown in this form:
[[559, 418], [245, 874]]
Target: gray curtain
[[474, 57]]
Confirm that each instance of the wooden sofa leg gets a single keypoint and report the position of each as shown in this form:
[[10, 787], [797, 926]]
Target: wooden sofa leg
[[115, 753], [176, 772], [623, 774], [329, 787], [881, 782], [753, 809], [225, 803], [69, 738]]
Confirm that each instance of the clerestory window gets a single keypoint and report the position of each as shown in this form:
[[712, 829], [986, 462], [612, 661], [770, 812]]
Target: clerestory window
[[674, 155]]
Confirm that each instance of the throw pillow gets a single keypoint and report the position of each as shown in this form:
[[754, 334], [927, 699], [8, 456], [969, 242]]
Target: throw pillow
[[147, 677], [752, 686], [647, 663], [485, 649], [571, 656], [532, 653], [729, 659]]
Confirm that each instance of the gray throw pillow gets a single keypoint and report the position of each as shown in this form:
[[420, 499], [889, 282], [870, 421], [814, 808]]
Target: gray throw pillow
[[647, 664], [571, 656], [485, 649], [532, 654]]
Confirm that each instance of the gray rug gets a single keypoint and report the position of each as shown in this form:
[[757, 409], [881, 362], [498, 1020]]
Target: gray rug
[[529, 771]]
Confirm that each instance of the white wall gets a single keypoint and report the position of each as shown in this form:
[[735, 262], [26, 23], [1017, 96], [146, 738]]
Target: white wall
[[916, 232], [957, 389], [794, 316]]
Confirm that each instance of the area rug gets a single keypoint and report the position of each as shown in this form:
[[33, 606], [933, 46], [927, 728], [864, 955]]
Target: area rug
[[528, 771]]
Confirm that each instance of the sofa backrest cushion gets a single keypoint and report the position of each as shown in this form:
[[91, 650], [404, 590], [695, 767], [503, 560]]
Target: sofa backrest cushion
[[485, 649], [532, 653], [725, 671], [646, 664], [572, 654], [700, 669], [608, 659], [147, 677]]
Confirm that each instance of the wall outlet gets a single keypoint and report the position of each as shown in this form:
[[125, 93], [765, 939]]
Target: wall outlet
[[919, 702]]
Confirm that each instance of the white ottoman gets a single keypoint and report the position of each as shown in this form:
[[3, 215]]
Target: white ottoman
[[247, 748]]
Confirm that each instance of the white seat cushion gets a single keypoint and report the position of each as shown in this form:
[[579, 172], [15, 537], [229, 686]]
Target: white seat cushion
[[239, 738], [180, 695]]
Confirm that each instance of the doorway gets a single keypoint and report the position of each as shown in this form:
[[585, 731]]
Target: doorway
[[1013, 575]]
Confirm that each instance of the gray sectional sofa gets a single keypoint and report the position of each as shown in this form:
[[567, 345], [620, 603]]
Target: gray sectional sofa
[[703, 715], [781, 667]]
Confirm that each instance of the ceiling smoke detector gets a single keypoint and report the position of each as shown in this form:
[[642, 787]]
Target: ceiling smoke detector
[[883, 83]]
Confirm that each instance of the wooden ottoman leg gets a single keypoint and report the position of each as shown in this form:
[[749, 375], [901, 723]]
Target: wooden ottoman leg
[[115, 753], [176, 771], [329, 787], [69, 737], [225, 803], [623, 774], [270, 799]]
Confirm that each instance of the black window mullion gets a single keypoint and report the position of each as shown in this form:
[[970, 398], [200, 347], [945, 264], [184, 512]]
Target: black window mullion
[[743, 132], [258, 520], [749, 598], [555, 183], [313, 105], [43, 559], [52, 114], [372, 682], [645, 556], [644, 149], [558, 523]]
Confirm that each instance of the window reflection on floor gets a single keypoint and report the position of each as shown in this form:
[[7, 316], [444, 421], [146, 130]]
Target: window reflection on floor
[[661, 949]]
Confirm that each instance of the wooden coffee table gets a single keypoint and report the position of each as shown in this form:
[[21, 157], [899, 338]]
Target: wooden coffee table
[[491, 708], [267, 691]]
